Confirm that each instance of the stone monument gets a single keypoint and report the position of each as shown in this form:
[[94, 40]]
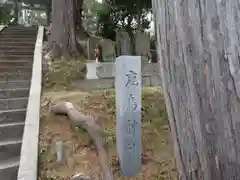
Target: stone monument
[[142, 44], [123, 43], [128, 113]]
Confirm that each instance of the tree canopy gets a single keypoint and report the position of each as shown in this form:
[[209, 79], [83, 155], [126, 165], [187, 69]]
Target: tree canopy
[[130, 15]]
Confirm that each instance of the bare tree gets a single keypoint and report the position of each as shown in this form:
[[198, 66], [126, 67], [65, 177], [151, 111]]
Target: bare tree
[[198, 47]]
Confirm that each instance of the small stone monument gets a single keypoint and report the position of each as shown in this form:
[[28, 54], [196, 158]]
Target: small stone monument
[[128, 112], [108, 50], [142, 44], [123, 43]]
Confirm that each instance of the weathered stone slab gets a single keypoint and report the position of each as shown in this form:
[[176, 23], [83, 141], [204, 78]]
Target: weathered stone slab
[[128, 110], [123, 43], [142, 44], [108, 50]]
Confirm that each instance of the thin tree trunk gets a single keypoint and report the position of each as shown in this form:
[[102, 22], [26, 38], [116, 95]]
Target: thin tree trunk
[[198, 47], [63, 32]]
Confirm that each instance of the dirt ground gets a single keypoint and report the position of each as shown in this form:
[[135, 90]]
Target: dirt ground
[[81, 155]]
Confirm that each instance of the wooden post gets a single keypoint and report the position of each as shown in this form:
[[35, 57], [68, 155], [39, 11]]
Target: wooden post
[[128, 106], [198, 47]]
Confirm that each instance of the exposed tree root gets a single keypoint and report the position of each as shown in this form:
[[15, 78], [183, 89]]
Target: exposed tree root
[[89, 124]]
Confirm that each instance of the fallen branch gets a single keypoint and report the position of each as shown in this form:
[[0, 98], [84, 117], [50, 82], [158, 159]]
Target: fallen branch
[[88, 123]]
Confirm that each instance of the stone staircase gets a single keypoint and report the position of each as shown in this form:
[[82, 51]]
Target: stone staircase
[[16, 59]]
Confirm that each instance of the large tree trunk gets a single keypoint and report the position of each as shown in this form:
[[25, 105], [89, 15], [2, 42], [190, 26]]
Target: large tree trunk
[[79, 10], [198, 47], [63, 32]]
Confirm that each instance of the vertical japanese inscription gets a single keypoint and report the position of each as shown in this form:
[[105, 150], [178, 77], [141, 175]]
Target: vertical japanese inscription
[[131, 78], [131, 81], [132, 106]]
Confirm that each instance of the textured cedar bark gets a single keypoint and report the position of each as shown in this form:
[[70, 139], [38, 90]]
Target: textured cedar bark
[[198, 47], [79, 6], [63, 33]]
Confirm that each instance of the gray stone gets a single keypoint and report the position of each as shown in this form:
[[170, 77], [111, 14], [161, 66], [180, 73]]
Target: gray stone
[[10, 149], [106, 70], [1, 27], [108, 50], [15, 76], [156, 80], [13, 103], [13, 93], [142, 44], [128, 112], [146, 80], [12, 116], [14, 84], [123, 43], [60, 151], [9, 169], [11, 131]]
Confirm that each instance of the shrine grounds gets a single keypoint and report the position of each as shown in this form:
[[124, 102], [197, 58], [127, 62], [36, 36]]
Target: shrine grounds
[[80, 153]]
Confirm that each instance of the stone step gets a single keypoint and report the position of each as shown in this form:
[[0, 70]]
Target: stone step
[[17, 52], [17, 38], [9, 169], [12, 43], [15, 57], [10, 149], [17, 35], [5, 40], [11, 131], [14, 69], [14, 93], [15, 76], [14, 103], [17, 48], [19, 63], [19, 32], [18, 28], [12, 116], [28, 60], [15, 84]]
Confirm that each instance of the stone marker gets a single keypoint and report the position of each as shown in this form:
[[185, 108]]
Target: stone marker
[[60, 151], [142, 44], [128, 112], [123, 43], [108, 50]]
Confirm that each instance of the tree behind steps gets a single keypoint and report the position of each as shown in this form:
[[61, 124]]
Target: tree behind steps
[[198, 46], [63, 33]]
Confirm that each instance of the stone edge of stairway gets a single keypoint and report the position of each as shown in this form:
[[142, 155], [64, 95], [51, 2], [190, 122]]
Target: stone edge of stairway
[[28, 168], [2, 27]]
